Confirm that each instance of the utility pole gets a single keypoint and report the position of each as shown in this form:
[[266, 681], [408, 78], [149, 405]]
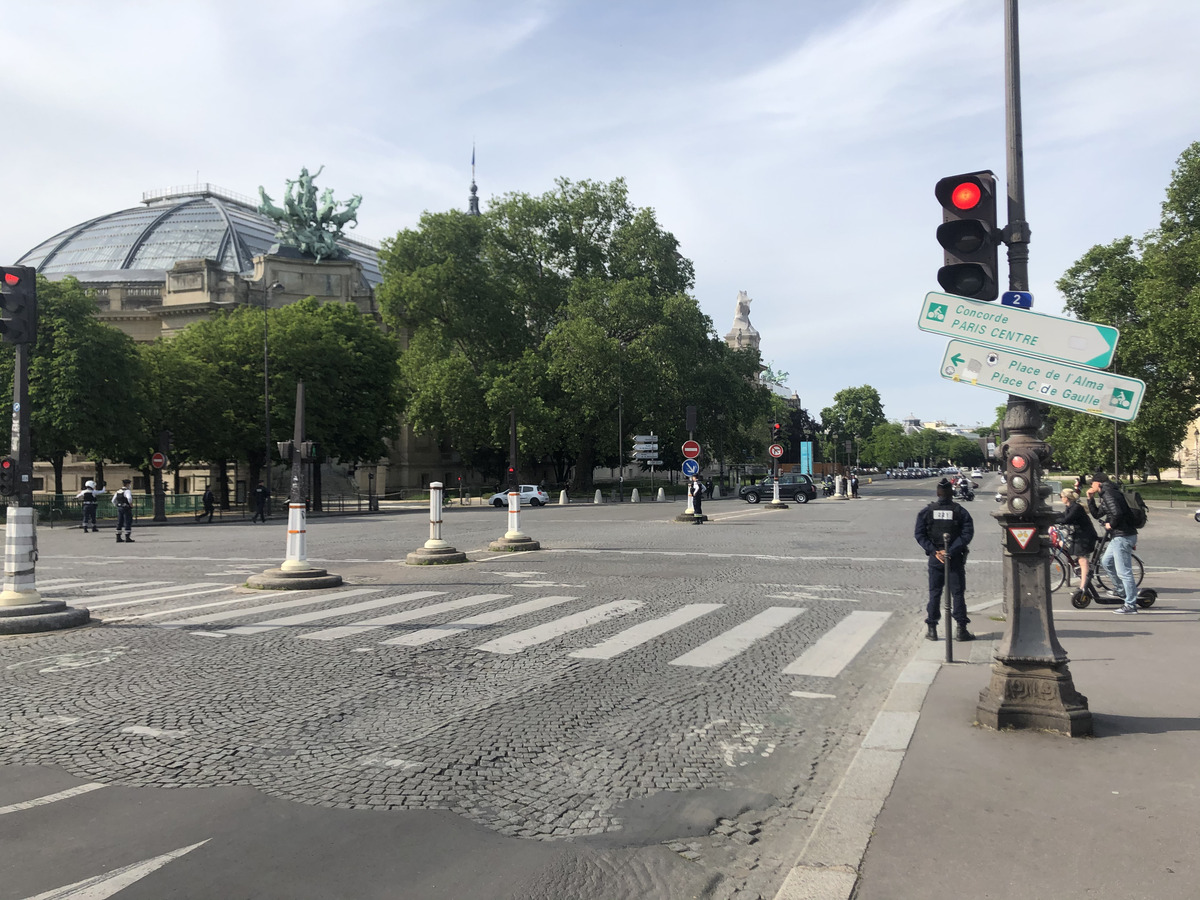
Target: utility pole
[[1031, 685]]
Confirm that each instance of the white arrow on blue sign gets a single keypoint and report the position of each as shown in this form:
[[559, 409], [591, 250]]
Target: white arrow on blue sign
[[691, 467]]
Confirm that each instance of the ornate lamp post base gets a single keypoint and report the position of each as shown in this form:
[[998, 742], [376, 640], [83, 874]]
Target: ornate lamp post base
[[1034, 695]]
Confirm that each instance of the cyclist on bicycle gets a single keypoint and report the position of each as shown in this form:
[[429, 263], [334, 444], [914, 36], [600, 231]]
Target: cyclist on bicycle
[[1106, 503], [1082, 534]]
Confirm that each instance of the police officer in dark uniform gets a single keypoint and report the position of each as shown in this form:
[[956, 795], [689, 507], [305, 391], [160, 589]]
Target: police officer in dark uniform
[[938, 520]]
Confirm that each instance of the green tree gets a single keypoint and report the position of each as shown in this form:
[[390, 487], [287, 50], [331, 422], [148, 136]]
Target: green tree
[[570, 307], [1150, 290], [86, 393], [854, 415]]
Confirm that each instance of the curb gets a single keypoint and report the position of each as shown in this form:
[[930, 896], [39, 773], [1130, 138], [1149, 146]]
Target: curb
[[831, 859]]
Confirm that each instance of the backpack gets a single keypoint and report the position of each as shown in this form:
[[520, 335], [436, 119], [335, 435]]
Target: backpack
[[1135, 508]]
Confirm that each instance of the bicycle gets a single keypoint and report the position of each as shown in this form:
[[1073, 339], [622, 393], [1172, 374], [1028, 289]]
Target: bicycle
[[1063, 565]]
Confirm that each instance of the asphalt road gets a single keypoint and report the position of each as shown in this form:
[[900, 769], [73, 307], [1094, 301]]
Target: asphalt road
[[641, 709]]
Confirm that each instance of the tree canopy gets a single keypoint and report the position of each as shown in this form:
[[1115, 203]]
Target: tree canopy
[[571, 308], [1150, 289]]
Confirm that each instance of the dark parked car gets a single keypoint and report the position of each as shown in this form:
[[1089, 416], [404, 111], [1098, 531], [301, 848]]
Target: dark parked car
[[792, 486]]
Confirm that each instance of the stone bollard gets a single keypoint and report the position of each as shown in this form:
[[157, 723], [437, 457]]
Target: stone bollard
[[435, 551], [599, 499], [514, 539], [716, 494], [633, 496], [562, 498], [662, 496]]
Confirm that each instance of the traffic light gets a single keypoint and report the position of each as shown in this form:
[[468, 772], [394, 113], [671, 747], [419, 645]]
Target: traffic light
[[18, 300], [8, 476], [309, 450], [1020, 484], [286, 449], [776, 432], [968, 235]]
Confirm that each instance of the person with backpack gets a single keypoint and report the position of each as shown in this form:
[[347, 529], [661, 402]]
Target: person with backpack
[[1107, 503], [940, 520], [1080, 535], [123, 501]]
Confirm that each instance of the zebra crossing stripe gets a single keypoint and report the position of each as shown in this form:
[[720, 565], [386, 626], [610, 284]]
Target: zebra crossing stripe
[[640, 634], [437, 632], [539, 634], [834, 650], [339, 631], [90, 588], [306, 600], [725, 647], [305, 618], [158, 593]]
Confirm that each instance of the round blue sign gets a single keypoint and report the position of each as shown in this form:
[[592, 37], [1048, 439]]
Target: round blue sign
[[691, 467]]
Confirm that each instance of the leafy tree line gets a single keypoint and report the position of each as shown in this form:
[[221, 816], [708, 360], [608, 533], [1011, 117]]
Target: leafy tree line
[[94, 392], [573, 309], [1149, 288]]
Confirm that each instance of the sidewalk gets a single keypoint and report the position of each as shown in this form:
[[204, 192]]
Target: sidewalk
[[1025, 815]]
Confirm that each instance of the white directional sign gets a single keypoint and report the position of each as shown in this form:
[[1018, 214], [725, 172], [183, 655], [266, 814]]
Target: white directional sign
[[1073, 387], [653, 446], [647, 454], [646, 438], [1020, 330]]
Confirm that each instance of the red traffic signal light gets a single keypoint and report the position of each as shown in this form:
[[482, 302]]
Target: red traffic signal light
[[18, 300], [969, 235], [8, 476], [1019, 483]]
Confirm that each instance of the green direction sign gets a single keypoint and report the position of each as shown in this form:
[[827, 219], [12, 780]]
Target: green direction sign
[[1047, 381], [1012, 328]]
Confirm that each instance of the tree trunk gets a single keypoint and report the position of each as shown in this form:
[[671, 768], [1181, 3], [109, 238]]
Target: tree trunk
[[98, 477], [56, 460], [222, 470], [316, 486], [584, 464]]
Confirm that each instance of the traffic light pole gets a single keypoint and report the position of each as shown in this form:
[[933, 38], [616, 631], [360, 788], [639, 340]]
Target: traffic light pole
[[20, 535], [1031, 685]]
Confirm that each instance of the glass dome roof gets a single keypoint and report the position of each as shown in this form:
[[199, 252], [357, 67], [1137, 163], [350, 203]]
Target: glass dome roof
[[195, 222]]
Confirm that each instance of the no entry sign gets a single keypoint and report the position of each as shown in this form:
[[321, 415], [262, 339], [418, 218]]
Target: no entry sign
[[691, 449], [158, 460]]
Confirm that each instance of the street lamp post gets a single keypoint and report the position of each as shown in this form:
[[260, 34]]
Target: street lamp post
[[271, 289], [1196, 451]]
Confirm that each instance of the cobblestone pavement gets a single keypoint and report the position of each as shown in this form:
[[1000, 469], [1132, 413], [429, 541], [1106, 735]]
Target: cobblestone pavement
[[636, 683]]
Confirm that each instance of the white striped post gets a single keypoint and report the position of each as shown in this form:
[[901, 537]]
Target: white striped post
[[435, 541], [514, 517], [296, 559], [20, 552]]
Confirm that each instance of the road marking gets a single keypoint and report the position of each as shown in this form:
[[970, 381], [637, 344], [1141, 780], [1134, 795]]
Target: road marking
[[829, 655], [305, 618], [809, 695], [51, 798], [118, 586], [646, 631], [103, 886], [182, 590], [539, 634], [339, 631], [725, 647], [306, 600], [183, 609], [436, 632]]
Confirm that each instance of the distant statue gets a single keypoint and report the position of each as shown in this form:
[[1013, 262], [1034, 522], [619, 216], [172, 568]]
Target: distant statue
[[742, 334], [313, 227]]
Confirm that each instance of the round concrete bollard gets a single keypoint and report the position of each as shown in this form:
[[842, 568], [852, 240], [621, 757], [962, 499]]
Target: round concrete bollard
[[716, 494], [562, 498], [662, 496], [633, 496], [598, 499]]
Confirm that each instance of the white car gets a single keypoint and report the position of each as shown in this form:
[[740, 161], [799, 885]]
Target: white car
[[977, 473], [530, 494]]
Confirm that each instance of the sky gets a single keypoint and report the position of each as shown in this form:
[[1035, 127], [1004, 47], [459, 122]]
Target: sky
[[791, 146]]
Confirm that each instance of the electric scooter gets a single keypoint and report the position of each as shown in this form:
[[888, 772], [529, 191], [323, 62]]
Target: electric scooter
[[1082, 597]]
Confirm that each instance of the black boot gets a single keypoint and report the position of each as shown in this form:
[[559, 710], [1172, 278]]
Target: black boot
[[118, 539], [963, 634], [931, 633], [128, 539]]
